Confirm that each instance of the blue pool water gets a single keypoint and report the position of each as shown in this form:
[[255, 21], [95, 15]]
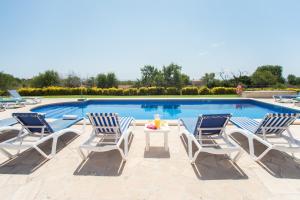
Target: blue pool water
[[167, 108]]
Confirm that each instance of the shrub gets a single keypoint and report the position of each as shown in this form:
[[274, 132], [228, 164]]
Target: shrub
[[218, 90], [56, 91], [126, 92], [31, 91], [2, 93], [94, 91], [130, 92], [143, 91], [77, 91], [119, 92], [294, 89], [189, 91], [230, 90], [114, 92], [172, 91], [204, 91], [105, 91], [156, 90]]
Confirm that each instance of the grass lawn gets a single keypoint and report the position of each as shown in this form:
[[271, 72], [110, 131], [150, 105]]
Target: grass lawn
[[150, 96]]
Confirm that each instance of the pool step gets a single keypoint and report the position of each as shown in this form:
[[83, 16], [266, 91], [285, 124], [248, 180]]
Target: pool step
[[60, 112], [65, 112], [53, 111]]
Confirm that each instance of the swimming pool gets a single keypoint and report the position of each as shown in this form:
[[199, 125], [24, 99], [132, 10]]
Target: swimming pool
[[167, 108]]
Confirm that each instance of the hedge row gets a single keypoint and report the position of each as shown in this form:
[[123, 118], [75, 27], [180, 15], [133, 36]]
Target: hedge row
[[131, 91], [49, 91]]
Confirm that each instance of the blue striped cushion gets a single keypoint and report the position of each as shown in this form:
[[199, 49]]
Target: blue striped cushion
[[277, 120], [109, 123], [125, 123], [270, 120], [245, 123]]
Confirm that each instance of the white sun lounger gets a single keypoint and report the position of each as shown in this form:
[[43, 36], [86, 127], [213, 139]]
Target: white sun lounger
[[109, 131], [204, 131], [285, 98], [27, 100], [7, 125], [273, 131], [35, 131]]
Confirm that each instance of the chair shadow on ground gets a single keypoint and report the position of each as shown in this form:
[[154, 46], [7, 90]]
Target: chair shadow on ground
[[276, 163], [30, 160], [156, 152], [214, 167], [108, 163]]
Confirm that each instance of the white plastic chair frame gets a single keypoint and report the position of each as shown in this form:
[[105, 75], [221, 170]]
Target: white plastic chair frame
[[231, 146], [24, 132], [118, 139], [293, 144]]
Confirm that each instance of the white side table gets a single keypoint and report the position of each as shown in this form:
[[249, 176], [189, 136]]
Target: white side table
[[165, 129]]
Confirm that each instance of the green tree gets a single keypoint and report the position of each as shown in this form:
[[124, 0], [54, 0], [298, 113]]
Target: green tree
[[8, 81], [177, 79], [46, 79], [185, 79], [149, 74], [209, 79], [72, 80], [298, 81], [246, 80], [292, 79], [159, 79], [275, 70], [169, 76], [90, 82], [263, 78], [111, 80], [101, 80], [172, 75]]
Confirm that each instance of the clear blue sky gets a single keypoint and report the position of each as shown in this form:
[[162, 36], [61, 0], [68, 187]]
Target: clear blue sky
[[92, 36]]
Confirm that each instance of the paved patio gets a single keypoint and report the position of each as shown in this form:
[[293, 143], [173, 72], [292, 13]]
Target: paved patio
[[146, 175]]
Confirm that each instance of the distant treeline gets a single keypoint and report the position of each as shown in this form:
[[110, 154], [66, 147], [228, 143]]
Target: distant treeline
[[151, 76]]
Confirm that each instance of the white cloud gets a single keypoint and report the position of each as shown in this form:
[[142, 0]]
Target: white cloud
[[203, 53], [217, 44]]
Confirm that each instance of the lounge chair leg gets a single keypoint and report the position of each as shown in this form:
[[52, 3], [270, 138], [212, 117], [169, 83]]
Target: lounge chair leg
[[251, 147], [122, 154], [82, 155], [195, 157], [190, 148], [54, 145], [263, 154], [126, 145], [6, 153], [237, 156], [42, 153]]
